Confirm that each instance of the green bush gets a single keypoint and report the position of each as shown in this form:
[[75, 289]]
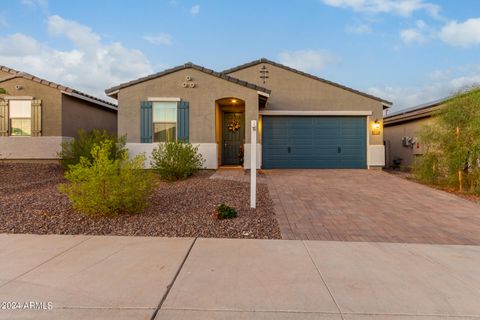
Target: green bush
[[106, 186], [226, 212], [452, 144], [176, 160], [82, 145], [425, 168], [2, 91]]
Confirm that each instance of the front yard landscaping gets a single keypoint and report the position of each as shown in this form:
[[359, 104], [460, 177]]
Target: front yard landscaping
[[31, 203], [410, 176]]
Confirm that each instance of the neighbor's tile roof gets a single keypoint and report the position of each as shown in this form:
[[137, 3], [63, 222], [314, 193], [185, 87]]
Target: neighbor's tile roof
[[421, 111], [17, 74], [264, 60], [187, 66], [418, 108]]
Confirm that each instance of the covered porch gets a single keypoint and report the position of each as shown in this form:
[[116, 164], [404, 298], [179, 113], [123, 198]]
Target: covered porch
[[232, 131]]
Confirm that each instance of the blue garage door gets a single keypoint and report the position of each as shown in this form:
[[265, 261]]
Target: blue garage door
[[314, 142]]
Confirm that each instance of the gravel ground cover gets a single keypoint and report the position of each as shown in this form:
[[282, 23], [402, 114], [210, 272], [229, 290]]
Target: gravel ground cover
[[31, 203]]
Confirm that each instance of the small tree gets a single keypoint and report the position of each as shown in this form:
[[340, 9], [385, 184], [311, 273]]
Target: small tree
[[82, 146], [106, 186], [176, 160], [452, 144]]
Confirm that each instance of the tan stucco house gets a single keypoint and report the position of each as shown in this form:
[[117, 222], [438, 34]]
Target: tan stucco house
[[36, 115], [303, 121], [402, 128]]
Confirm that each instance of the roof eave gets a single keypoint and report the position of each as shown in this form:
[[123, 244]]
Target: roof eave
[[386, 103], [61, 88], [91, 100], [113, 91]]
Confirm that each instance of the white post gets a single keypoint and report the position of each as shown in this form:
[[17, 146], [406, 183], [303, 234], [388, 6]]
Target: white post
[[253, 165]]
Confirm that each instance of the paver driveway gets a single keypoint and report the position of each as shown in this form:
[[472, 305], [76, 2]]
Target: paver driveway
[[369, 205]]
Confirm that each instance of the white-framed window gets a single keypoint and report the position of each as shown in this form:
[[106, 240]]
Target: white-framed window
[[164, 121], [20, 115]]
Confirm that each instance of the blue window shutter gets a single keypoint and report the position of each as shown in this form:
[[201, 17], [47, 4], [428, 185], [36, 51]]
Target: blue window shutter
[[183, 120], [146, 122]]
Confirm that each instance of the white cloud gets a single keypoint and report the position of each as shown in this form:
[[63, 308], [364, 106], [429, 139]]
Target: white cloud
[[445, 83], [18, 45], [399, 7], [78, 34], [461, 34], [42, 4], [307, 60], [420, 34], [162, 38], [410, 36], [195, 9], [358, 29], [90, 65]]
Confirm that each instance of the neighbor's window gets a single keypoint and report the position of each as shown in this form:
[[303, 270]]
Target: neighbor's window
[[164, 121], [20, 114]]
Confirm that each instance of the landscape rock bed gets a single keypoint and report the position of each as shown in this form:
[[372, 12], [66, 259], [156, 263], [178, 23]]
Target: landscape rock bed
[[31, 203]]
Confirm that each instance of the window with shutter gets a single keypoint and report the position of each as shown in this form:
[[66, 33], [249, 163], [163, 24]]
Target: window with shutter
[[164, 121], [20, 116]]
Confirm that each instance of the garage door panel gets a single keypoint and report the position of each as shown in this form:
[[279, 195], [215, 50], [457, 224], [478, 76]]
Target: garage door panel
[[314, 142]]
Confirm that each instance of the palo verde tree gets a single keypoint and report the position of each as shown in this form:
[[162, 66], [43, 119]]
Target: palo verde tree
[[452, 144]]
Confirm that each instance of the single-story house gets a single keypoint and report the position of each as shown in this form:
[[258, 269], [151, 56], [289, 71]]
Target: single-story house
[[401, 130], [37, 115], [303, 121]]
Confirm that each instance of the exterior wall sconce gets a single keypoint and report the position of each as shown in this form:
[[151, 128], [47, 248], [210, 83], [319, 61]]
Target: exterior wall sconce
[[376, 128]]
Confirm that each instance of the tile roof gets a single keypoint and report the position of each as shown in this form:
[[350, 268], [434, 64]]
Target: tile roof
[[419, 107], [187, 65], [16, 74], [264, 60]]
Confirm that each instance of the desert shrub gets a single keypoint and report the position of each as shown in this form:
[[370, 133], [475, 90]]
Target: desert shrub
[[2, 91], [452, 144], [226, 212], [82, 146], [176, 160], [106, 186], [425, 168]]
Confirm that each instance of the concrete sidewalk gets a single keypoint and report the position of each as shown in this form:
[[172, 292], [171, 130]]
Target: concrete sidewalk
[[87, 277]]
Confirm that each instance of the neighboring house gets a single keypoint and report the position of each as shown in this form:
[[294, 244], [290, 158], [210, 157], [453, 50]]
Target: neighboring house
[[303, 121], [36, 115], [401, 133]]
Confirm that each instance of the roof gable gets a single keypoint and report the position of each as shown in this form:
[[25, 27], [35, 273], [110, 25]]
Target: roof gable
[[114, 90], [12, 74], [273, 63]]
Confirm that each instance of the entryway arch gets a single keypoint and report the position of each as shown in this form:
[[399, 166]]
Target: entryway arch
[[230, 130]]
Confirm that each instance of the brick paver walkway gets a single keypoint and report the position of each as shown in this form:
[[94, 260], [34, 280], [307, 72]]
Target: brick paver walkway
[[369, 205]]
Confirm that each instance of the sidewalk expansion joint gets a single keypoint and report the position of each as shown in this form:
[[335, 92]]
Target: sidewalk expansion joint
[[169, 287], [323, 280]]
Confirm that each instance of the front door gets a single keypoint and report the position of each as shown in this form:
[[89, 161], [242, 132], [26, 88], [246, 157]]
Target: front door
[[233, 135]]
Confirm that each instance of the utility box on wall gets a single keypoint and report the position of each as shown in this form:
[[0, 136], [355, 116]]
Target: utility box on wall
[[417, 147]]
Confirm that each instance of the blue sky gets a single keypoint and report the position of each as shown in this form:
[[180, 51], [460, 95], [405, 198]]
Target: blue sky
[[407, 51]]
